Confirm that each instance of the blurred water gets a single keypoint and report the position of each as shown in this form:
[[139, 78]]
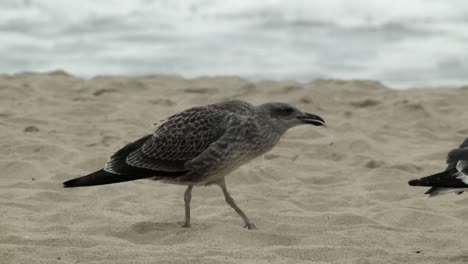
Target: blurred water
[[402, 43]]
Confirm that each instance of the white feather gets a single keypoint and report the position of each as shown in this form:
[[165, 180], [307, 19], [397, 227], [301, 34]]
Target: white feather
[[461, 166]]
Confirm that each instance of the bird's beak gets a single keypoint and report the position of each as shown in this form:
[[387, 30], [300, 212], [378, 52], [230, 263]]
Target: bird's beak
[[312, 119]]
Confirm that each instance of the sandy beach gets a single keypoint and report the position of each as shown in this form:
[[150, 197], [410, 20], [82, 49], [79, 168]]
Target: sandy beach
[[336, 195]]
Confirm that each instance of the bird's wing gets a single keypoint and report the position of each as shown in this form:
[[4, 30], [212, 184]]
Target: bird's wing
[[446, 179], [117, 164], [460, 153], [181, 138], [457, 154], [234, 146], [464, 144]]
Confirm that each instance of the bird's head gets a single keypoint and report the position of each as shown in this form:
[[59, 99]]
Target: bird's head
[[285, 116]]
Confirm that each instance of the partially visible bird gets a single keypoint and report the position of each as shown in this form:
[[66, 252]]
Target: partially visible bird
[[455, 177], [200, 146]]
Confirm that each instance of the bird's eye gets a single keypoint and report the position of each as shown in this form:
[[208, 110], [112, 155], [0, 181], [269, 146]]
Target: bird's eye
[[286, 110]]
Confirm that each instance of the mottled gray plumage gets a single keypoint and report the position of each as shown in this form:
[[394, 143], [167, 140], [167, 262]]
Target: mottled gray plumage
[[200, 146]]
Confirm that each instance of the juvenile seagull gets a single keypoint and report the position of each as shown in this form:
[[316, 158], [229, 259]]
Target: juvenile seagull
[[453, 179], [200, 146]]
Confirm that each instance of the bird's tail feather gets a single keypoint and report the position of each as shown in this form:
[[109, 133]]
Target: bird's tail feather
[[100, 177], [436, 191]]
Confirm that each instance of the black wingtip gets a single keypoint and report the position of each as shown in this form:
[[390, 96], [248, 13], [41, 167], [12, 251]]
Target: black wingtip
[[445, 179], [96, 178], [415, 182], [68, 184], [101, 177]]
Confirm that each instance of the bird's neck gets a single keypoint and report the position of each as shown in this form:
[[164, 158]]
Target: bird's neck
[[270, 131]]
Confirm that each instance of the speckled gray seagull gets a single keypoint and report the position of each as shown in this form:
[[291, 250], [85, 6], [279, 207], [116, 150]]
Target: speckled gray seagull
[[200, 146], [455, 177]]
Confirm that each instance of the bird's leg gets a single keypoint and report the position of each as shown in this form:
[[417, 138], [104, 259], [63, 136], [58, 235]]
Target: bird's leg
[[187, 198], [232, 203]]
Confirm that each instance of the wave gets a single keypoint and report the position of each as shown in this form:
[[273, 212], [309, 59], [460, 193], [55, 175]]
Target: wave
[[389, 40]]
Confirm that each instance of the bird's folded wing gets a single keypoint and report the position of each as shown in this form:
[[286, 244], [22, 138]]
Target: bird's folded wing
[[460, 153], [456, 155], [446, 179], [231, 147], [464, 144], [181, 138]]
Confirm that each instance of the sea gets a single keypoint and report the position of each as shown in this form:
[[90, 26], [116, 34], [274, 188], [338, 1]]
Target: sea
[[402, 43]]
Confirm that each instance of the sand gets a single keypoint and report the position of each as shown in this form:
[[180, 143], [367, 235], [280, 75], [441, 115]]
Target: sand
[[336, 195]]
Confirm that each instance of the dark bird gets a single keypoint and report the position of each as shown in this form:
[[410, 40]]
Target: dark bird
[[455, 177], [200, 146]]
